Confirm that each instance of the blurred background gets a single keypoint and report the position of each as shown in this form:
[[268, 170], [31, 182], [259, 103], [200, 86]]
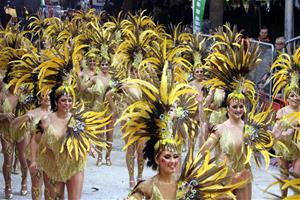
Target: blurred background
[[248, 15]]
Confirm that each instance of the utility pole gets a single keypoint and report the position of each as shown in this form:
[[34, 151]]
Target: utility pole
[[289, 19]]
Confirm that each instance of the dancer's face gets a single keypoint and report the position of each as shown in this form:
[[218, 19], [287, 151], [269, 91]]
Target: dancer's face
[[92, 63], [198, 73], [236, 109], [104, 66], [293, 99], [64, 103], [45, 100], [168, 161]]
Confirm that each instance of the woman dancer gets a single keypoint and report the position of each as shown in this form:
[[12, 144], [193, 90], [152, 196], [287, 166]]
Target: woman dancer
[[161, 153], [66, 138], [231, 144], [31, 119], [60, 156], [8, 104], [101, 87], [286, 129], [233, 136]]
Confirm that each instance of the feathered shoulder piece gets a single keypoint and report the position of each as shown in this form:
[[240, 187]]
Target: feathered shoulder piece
[[84, 128], [228, 69], [202, 178], [286, 76], [258, 139]]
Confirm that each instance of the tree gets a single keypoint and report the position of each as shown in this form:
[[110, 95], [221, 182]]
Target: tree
[[129, 5]]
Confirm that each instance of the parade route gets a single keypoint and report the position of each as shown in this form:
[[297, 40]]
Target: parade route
[[111, 182]]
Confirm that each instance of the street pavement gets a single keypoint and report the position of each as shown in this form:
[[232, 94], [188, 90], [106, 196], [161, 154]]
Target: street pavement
[[111, 182]]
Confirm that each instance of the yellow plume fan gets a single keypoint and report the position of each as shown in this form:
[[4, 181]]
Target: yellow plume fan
[[257, 138], [82, 133], [292, 183], [203, 178]]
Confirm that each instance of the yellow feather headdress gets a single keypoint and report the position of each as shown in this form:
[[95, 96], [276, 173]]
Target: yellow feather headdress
[[150, 118], [100, 41], [228, 69], [286, 76]]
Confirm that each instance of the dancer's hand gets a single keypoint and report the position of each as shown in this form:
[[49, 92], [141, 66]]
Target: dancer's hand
[[33, 165], [29, 116], [241, 176], [9, 116], [290, 131]]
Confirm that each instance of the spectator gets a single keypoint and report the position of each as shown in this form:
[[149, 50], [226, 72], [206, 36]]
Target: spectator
[[279, 45], [264, 35]]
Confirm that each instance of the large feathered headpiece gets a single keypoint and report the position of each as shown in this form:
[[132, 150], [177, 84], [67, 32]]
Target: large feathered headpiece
[[287, 72], [228, 69], [100, 41], [152, 117]]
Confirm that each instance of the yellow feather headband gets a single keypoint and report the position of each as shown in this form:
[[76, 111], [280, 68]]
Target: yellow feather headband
[[67, 89]]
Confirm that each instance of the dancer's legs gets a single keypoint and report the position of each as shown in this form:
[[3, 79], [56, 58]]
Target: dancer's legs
[[36, 182], [244, 193], [140, 159], [7, 148], [53, 190], [24, 169], [109, 137], [130, 164], [284, 171], [75, 186]]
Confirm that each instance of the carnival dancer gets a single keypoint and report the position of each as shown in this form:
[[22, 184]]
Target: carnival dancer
[[31, 119], [25, 76], [235, 138], [138, 32], [66, 137], [9, 102], [14, 46], [100, 84], [286, 129], [152, 118], [199, 52]]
